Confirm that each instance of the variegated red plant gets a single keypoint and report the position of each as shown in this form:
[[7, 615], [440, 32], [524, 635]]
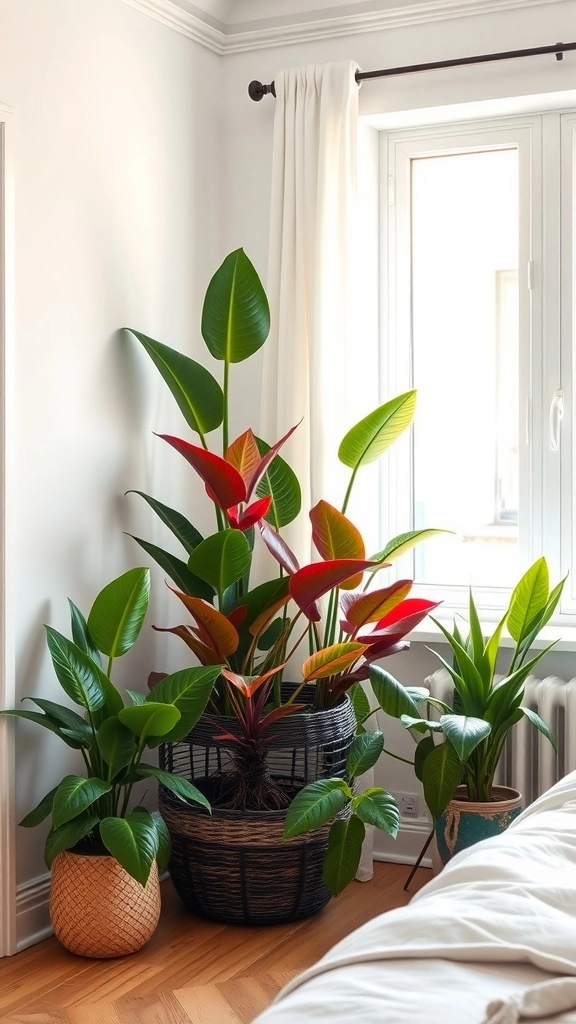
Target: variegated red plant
[[331, 604]]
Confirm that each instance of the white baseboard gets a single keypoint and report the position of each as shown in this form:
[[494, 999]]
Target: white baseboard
[[406, 848], [32, 912]]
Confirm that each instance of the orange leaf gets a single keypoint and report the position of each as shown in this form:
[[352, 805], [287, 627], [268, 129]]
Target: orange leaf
[[373, 606], [215, 628], [243, 454], [336, 537], [332, 660], [263, 620], [206, 655], [249, 685]]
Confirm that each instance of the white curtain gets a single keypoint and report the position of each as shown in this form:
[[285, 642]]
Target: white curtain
[[311, 368]]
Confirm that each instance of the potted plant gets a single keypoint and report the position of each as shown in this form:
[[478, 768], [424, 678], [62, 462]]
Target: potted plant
[[104, 847], [253, 628], [458, 752]]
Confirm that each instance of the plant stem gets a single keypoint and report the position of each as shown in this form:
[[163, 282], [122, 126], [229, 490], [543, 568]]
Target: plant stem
[[349, 491], [225, 416], [398, 758]]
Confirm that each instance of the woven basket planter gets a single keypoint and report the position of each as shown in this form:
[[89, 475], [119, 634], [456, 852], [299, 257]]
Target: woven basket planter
[[233, 865], [97, 909]]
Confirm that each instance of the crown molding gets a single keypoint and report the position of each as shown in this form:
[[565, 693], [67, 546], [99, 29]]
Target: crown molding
[[169, 13], [231, 39]]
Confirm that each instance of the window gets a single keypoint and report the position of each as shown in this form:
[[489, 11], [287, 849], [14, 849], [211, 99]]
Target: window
[[477, 241]]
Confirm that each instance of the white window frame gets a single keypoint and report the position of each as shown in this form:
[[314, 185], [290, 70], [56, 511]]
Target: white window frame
[[546, 316]]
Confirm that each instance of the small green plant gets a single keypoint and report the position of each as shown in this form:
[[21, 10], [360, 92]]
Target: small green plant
[[92, 812], [327, 799], [464, 745]]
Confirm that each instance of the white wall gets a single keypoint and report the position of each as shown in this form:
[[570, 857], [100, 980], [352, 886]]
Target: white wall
[[247, 185], [117, 135]]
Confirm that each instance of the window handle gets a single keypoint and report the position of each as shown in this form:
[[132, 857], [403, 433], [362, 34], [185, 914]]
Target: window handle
[[556, 414]]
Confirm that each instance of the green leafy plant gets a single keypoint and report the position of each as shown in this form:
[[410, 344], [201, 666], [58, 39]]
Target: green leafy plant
[[251, 628], [463, 745], [92, 812], [336, 800]]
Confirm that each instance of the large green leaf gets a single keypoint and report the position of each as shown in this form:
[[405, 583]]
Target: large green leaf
[[424, 748], [282, 484], [181, 527], [540, 724], [133, 841], [40, 812], [392, 697], [80, 634], [74, 726], [442, 773], [360, 703], [364, 752], [197, 393], [67, 836], [117, 744], [151, 719], [221, 559], [369, 438], [74, 794], [177, 570], [315, 805], [404, 542], [46, 721], [117, 614], [377, 807], [235, 314], [343, 853], [528, 601], [189, 691], [464, 733], [164, 841], [175, 783], [78, 675]]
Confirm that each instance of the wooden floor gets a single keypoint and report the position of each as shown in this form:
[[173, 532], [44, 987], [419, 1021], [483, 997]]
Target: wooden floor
[[192, 970]]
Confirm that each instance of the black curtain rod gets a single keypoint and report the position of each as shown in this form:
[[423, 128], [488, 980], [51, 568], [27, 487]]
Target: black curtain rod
[[256, 90]]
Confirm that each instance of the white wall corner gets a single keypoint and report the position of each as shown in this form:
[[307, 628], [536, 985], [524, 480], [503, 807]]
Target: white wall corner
[[32, 912]]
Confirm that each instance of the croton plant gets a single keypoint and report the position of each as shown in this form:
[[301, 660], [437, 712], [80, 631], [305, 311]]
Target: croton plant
[[253, 627]]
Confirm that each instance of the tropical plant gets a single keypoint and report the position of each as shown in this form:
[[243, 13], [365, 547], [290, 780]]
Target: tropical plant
[[486, 706], [337, 801], [92, 813], [252, 629]]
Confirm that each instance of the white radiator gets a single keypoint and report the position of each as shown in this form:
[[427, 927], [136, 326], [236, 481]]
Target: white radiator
[[529, 762]]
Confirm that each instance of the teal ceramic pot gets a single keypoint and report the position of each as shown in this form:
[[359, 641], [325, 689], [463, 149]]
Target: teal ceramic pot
[[464, 822]]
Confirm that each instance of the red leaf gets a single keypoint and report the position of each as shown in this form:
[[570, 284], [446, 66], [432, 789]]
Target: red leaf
[[280, 712], [399, 621], [238, 616], [260, 469], [279, 548], [226, 485], [383, 650], [312, 581], [251, 515], [154, 678], [215, 629]]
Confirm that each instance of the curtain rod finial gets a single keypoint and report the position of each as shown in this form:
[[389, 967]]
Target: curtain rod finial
[[256, 90]]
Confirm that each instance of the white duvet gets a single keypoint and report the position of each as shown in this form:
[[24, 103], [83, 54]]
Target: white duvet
[[491, 939]]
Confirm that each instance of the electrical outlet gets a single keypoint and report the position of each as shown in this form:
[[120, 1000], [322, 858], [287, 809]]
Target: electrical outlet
[[408, 804]]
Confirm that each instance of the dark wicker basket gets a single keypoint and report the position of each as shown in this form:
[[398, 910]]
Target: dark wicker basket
[[233, 865]]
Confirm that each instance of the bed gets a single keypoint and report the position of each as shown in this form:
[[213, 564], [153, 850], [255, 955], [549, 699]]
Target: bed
[[491, 939]]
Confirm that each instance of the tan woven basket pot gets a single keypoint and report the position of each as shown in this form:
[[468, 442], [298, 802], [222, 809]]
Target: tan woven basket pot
[[97, 909]]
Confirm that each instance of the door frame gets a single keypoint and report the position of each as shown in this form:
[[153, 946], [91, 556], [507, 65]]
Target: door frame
[[7, 661]]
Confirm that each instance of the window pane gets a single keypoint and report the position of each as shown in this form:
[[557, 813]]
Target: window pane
[[466, 364]]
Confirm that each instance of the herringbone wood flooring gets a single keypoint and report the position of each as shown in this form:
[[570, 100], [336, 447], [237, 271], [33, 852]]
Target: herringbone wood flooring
[[192, 971]]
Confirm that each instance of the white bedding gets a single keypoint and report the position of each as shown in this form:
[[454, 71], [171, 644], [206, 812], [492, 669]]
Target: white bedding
[[498, 920]]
